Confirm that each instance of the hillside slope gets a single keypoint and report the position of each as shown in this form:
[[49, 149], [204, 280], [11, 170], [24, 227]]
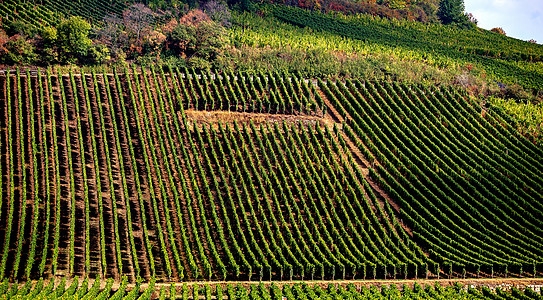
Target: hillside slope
[[187, 176], [478, 52]]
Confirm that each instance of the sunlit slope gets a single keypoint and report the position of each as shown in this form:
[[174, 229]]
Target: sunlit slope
[[504, 59]]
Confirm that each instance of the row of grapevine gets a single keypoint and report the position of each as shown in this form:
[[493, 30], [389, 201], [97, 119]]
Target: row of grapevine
[[9, 210], [447, 200], [91, 289], [131, 185], [262, 93], [444, 46]]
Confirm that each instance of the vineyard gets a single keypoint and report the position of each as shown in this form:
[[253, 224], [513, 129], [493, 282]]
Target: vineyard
[[88, 289], [504, 59], [180, 175], [49, 12]]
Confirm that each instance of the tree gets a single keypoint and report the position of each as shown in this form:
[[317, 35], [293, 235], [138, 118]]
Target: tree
[[138, 18], [111, 34], [18, 27], [430, 9], [472, 19], [73, 38], [397, 4], [19, 50], [4, 38], [48, 45], [198, 38], [218, 11], [451, 12]]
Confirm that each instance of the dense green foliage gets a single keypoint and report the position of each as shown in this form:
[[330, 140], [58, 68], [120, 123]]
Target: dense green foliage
[[451, 167], [250, 171], [267, 43], [451, 12], [49, 12], [269, 200], [87, 290], [526, 117], [504, 59]]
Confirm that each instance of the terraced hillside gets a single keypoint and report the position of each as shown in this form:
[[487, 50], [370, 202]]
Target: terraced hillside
[[182, 175]]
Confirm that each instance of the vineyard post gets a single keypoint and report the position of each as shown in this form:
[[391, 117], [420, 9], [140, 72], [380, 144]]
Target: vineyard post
[[426, 271], [253, 106], [290, 273], [492, 271], [7, 99]]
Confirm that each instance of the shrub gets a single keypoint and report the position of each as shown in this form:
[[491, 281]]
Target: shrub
[[18, 50], [198, 36], [498, 30]]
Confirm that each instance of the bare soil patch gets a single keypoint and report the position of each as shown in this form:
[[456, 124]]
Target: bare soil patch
[[214, 117]]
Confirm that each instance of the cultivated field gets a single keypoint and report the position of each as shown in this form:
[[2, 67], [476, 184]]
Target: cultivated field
[[180, 175]]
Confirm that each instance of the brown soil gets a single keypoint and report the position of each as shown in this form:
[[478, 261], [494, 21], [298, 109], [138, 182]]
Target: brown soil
[[214, 117], [503, 283]]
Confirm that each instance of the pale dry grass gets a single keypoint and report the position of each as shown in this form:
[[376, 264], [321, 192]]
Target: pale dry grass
[[213, 118]]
